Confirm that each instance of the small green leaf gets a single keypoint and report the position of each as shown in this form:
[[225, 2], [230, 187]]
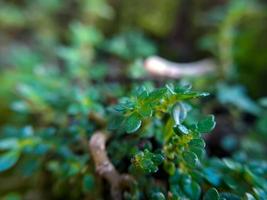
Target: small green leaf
[[211, 194], [181, 130], [197, 143], [142, 93], [132, 123], [182, 88], [249, 197], [8, 160], [260, 193], [179, 113], [206, 125], [197, 175], [191, 95], [192, 190], [157, 159], [229, 196], [198, 151], [231, 164], [120, 107], [230, 181], [212, 176], [156, 95], [146, 111], [8, 143], [169, 167], [124, 105], [157, 196], [146, 161], [190, 158]]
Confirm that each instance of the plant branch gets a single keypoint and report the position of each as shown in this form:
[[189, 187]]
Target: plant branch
[[158, 66], [105, 168]]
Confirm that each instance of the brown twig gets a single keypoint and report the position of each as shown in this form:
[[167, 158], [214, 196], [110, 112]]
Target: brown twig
[[105, 168], [158, 66]]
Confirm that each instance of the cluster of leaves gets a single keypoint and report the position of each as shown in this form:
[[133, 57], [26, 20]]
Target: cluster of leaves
[[146, 104], [180, 151], [182, 146]]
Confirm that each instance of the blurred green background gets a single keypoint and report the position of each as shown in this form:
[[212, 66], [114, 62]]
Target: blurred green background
[[231, 31]]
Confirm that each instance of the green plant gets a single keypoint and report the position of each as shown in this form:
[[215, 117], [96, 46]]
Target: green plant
[[81, 118]]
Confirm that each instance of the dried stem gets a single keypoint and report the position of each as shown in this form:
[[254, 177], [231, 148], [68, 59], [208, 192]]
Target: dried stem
[[160, 67], [105, 168]]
